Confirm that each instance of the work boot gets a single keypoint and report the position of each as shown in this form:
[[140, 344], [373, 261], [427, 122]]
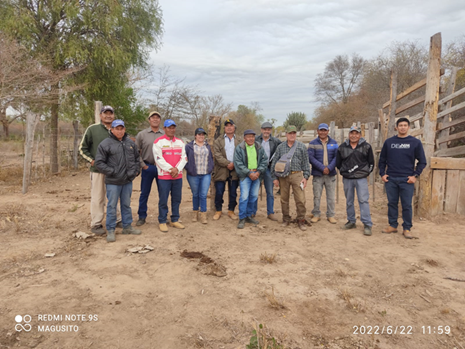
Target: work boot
[[131, 230], [407, 234], [332, 220], [285, 223], [163, 227], [241, 224], [195, 217], [315, 219], [251, 220], [389, 230], [232, 215], [310, 215], [98, 230], [366, 230], [272, 217], [301, 224], [203, 217], [217, 215], [349, 225], [140, 222], [111, 236], [177, 225], [119, 224]]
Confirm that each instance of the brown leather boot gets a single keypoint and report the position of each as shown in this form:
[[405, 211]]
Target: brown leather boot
[[217, 215], [389, 230], [232, 215], [302, 225], [195, 217], [285, 223], [203, 217]]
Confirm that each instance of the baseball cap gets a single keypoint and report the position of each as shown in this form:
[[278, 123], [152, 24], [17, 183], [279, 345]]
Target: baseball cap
[[355, 128], [107, 108], [323, 126], [169, 123], [199, 131], [154, 113], [249, 132], [117, 123], [267, 125], [228, 121], [291, 128]]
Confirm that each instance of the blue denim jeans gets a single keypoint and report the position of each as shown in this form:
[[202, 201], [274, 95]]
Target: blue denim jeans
[[249, 196], [199, 185], [147, 177], [165, 187], [361, 185], [220, 186], [397, 187], [123, 194], [268, 182]]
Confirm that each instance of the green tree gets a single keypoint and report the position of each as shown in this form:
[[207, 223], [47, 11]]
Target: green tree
[[102, 38], [296, 119]]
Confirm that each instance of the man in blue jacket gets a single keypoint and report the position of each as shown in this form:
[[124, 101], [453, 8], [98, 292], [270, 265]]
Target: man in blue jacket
[[322, 156], [400, 154], [250, 162]]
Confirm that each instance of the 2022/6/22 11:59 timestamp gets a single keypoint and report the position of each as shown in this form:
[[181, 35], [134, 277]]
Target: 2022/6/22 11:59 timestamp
[[435, 329]]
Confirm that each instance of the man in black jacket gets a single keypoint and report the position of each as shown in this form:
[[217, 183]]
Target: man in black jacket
[[355, 162], [118, 158]]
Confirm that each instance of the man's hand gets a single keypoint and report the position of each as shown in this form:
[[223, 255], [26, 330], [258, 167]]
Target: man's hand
[[304, 181], [254, 175], [145, 167], [92, 163], [230, 166], [276, 183], [411, 179], [385, 178], [326, 171], [174, 172]]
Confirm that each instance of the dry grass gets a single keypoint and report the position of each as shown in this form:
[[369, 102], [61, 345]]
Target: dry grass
[[274, 302], [432, 262], [351, 303], [268, 258]]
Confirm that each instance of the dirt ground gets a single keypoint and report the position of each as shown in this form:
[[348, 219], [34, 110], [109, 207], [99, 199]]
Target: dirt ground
[[325, 288]]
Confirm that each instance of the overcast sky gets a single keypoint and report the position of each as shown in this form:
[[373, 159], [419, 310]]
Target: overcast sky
[[271, 51]]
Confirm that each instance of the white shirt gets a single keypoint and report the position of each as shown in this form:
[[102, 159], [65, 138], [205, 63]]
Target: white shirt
[[229, 147]]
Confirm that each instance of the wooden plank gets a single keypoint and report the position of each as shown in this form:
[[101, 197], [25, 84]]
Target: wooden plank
[[412, 88], [458, 121], [437, 192], [452, 96], [461, 194], [392, 107], [382, 126], [451, 151], [446, 119], [332, 129], [451, 110], [452, 184], [430, 111], [416, 117], [410, 104], [416, 132], [449, 138], [447, 163]]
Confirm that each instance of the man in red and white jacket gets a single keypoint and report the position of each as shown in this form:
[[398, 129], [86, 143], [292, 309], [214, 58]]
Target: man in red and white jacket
[[170, 157]]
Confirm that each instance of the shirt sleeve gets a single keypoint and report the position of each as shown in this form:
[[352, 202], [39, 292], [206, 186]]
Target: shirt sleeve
[[139, 146], [159, 160], [183, 161], [420, 156], [383, 160], [86, 144], [306, 167]]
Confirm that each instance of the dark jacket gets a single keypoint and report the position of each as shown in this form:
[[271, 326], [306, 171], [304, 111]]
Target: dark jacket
[[315, 156], [93, 136], [274, 142], [190, 167], [220, 171], [118, 160], [355, 163], [241, 160]]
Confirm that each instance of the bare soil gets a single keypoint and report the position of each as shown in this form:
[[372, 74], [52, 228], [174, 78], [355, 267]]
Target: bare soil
[[326, 288]]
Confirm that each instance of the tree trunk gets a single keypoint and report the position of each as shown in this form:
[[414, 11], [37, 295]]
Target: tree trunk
[[54, 137], [77, 139], [32, 120], [5, 123]]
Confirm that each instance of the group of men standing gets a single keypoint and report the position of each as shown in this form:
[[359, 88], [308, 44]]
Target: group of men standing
[[161, 157]]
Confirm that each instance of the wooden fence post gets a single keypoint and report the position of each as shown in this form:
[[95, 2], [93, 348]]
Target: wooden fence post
[[31, 119], [98, 107], [430, 112], [446, 118], [392, 107], [77, 139]]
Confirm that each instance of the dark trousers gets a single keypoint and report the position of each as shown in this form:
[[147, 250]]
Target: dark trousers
[[397, 187], [165, 187], [147, 177], [220, 186]]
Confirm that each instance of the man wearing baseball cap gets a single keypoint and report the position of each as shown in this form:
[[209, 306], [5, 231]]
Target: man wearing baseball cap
[[322, 156], [224, 171], [269, 144], [93, 136], [355, 161], [118, 158], [250, 162], [170, 157], [144, 141]]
